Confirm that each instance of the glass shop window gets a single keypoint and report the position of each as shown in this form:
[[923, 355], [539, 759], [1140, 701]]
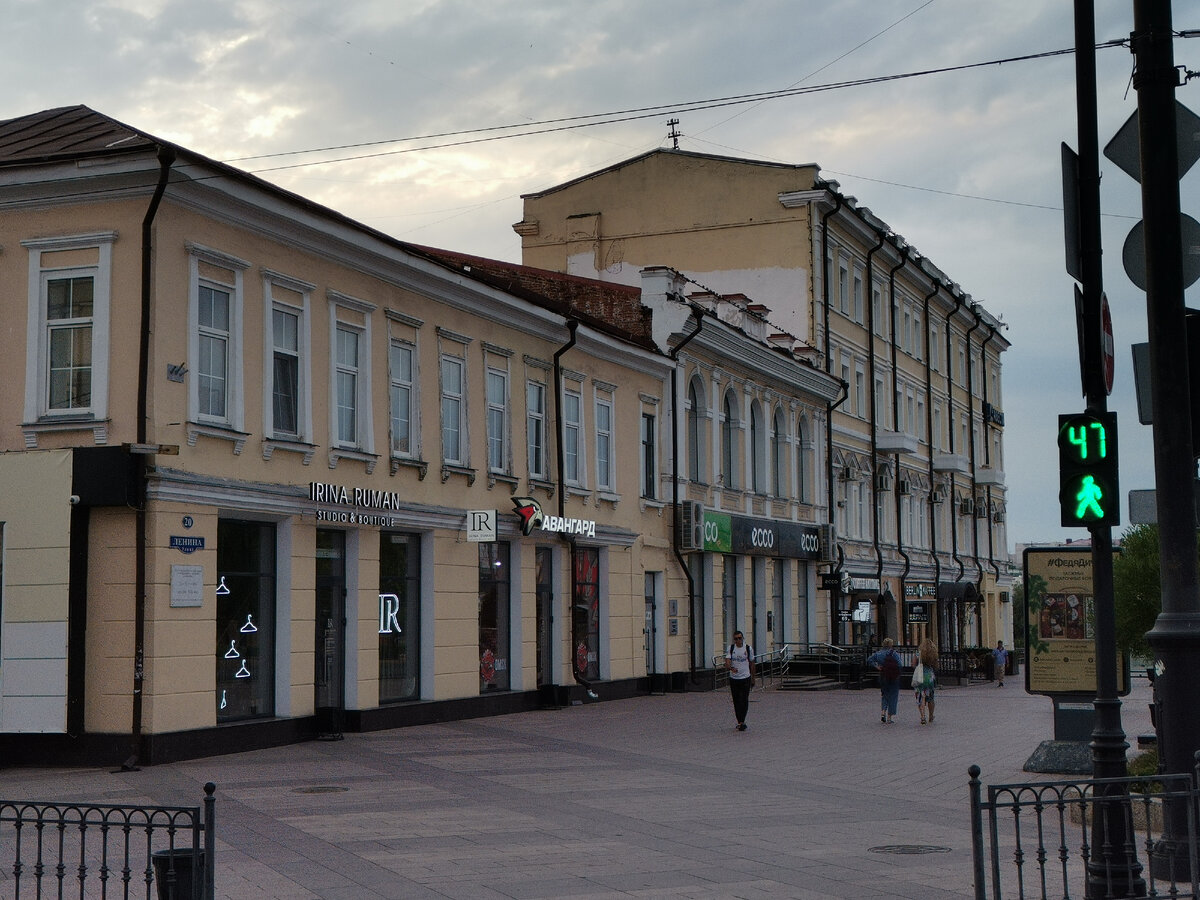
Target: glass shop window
[[399, 616], [245, 620], [493, 616]]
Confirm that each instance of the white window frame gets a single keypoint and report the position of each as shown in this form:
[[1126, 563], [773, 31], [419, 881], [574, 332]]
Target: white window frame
[[304, 427], [537, 419], [843, 287], [858, 295], [572, 427], [458, 400], [397, 383], [606, 461], [351, 314], [649, 448], [498, 420], [234, 419], [37, 360]]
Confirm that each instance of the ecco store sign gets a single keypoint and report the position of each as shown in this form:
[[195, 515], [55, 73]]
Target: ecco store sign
[[725, 533]]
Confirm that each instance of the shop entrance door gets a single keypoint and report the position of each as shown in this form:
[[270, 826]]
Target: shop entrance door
[[330, 674]]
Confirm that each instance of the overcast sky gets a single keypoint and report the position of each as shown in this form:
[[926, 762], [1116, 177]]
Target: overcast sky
[[964, 165]]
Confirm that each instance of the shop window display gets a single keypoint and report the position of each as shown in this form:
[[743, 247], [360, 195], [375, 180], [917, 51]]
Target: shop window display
[[245, 620]]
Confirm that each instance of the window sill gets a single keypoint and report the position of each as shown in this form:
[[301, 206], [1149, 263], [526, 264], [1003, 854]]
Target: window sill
[[607, 497], [196, 430], [466, 472], [502, 478], [421, 465], [538, 484], [337, 454], [306, 450], [49, 425]]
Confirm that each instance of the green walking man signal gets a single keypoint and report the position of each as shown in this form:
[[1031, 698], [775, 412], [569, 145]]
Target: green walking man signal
[[1088, 486]]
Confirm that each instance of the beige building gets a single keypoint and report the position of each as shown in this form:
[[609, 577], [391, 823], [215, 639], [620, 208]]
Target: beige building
[[914, 469], [270, 474]]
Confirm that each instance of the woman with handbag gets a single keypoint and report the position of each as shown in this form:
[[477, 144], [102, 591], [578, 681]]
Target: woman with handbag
[[924, 679]]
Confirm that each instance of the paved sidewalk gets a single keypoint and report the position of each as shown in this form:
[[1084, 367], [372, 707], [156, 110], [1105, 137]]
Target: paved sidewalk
[[651, 797]]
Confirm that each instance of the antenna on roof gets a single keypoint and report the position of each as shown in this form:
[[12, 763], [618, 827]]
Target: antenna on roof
[[674, 134]]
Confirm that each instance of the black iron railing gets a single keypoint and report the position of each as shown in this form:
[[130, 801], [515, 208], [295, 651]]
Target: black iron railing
[[56, 848], [1099, 837]]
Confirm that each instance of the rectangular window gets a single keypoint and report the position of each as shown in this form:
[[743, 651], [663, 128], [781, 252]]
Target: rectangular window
[[245, 620], [69, 306], [934, 349], [497, 420], [877, 309], [212, 371], [918, 336], [400, 365], [649, 456], [844, 289], [452, 410], [535, 429], [493, 617], [604, 444], [572, 429], [858, 296], [399, 617], [286, 373], [585, 614], [347, 386], [860, 396]]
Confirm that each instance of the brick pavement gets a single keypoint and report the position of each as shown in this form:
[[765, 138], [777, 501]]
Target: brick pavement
[[651, 797]]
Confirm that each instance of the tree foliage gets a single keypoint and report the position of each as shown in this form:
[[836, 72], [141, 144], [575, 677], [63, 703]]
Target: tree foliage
[[1137, 589]]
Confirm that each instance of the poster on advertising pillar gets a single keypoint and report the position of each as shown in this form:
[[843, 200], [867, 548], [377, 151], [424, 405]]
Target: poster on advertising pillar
[[1061, 633]]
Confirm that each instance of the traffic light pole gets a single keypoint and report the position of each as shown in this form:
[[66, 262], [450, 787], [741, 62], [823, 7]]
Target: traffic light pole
[[1108, 737], [1175, 637]]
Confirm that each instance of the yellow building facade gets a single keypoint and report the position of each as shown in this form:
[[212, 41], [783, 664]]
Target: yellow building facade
[[912, 478]]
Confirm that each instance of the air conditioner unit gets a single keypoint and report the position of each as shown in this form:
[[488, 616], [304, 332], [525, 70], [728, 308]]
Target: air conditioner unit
[[981, 508], [846, 473], [998, 516], [905, 486], [827, 540], [691, 525], [883, 482], [937, 497], [966, 507]]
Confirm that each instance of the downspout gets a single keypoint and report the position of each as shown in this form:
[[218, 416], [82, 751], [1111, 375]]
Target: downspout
[[572, 326], [987, 457], [874, 420], [166, 157], [687, 570], [933, 548], [951, 426], [971, 437], [903, 611], [834, 595]]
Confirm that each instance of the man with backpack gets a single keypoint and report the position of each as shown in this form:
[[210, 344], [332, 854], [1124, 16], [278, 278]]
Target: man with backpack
[[887, 661], [740, 663]]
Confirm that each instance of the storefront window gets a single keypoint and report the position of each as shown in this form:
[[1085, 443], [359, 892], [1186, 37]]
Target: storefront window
[[585, 613], [728, 600], [245, 620], [399, 616], [493, 617]]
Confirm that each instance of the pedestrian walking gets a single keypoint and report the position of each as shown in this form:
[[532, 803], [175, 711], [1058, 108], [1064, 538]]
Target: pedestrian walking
[[740, 663], [924, 680], [1000, 655], [887, 661]]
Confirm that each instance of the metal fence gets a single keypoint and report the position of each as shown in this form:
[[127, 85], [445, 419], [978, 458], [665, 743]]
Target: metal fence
[[55, 849], [1100, 837]]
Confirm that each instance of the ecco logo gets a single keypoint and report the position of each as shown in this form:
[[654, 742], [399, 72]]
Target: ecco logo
[[762, 537], [810, 543], [710, 532]]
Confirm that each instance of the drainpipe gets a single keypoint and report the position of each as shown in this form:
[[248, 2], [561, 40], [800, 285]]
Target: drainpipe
[[572, 326], [951, 425], [834, 595], [874, 419], [933, 548], [971, 438], [166, 157], [987, 457], [896, 418], [687, 571]]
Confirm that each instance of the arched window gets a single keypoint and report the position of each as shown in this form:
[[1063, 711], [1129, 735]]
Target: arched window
[[729, 450], [758, 449], [803, 462], [779, 480], [695, 431]]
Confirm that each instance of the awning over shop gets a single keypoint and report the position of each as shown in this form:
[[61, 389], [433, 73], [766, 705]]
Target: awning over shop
[[958, 590]]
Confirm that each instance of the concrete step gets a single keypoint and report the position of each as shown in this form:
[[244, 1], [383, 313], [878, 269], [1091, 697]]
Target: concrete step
[[809, 683]]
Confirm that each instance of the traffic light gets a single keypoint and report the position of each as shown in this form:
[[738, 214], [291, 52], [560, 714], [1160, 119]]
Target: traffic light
[[1088, 488]]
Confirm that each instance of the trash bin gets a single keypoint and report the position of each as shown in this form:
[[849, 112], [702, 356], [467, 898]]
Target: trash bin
[[187, 867]]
